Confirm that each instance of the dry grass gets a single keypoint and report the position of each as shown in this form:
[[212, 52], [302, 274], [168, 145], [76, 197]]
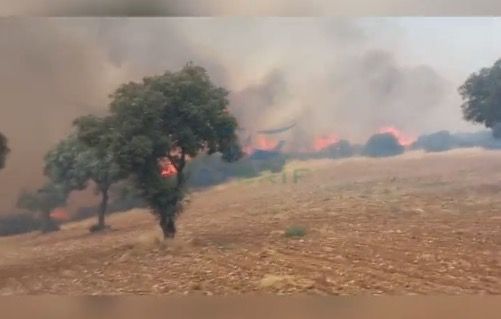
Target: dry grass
[[414, 224]]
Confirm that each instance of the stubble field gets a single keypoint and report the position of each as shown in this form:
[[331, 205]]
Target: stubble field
[[414, 224]]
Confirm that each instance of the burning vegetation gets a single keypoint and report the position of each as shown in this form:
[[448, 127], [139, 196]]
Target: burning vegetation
[[167, 168], [153, 129], [161, 147], [263, 151], [402, 138], [324, 141]]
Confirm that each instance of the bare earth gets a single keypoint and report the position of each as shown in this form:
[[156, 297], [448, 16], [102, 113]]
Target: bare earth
[[415, 224]]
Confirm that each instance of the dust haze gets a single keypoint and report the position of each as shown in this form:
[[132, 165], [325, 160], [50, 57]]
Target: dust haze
[[327, 75]]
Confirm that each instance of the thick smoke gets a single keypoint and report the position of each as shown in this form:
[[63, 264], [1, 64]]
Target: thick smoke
[[48, 76], [327, 75], [373, 90], [252, 104]]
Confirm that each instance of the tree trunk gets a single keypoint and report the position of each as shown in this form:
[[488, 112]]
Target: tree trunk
[[167, 217], [179, 165], [101, 212], [102, 208], [168, 225]]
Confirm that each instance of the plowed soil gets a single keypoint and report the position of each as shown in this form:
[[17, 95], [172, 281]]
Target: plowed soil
[[414, 224]]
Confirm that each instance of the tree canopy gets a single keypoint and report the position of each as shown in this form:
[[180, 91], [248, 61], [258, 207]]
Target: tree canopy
[[481, 94], [174, 117], [44, 201], [66, 164], [4, 150], [86, 156]]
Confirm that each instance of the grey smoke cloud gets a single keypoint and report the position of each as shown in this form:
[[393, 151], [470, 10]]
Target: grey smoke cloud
[[252, 104], [382, 92], [327, 75], [48, 75]]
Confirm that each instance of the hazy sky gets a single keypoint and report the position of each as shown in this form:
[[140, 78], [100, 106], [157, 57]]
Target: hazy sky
[[347, 76], [458, 46]]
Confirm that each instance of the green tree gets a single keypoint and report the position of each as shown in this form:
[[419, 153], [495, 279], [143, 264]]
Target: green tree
[[97, 135], [66, 164], [73, 162], [4, 150], [44, 201], [173, 116], [481, 95]]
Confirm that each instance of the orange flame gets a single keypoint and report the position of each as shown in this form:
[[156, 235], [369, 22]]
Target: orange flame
[[167, 168], [60, 214], [264, 143], [324, 141], [260, 143], [403, 139]]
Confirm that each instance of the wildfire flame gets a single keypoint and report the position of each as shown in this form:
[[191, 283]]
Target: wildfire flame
[[403, 139], [60, 214], [324, 141], [264, 143], [260, 143], [167, 168]]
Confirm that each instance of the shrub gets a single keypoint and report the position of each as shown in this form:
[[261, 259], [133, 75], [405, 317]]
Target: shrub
[[295, 231], [382, 145], [436, 142], [18, 224]]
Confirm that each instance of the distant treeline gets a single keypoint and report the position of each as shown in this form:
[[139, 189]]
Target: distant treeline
[[444, 141], [209, 170], [124, 198]]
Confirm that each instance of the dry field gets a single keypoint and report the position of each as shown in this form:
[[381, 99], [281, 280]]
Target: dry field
[[414, 224]]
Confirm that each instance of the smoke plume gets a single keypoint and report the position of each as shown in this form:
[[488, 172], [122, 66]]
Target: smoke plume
[[48, 76], [327, 75]]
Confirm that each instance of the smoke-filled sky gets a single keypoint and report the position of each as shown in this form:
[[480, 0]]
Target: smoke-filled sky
[[330, 75]]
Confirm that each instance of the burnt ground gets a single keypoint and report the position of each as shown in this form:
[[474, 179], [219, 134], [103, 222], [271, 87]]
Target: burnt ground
[[414, 224]]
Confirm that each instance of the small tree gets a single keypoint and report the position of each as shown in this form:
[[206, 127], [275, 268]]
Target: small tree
[[173, 117], [44, 201], [73, 162], [481, 94], [66, 164], [100, 162], [4, 150]]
